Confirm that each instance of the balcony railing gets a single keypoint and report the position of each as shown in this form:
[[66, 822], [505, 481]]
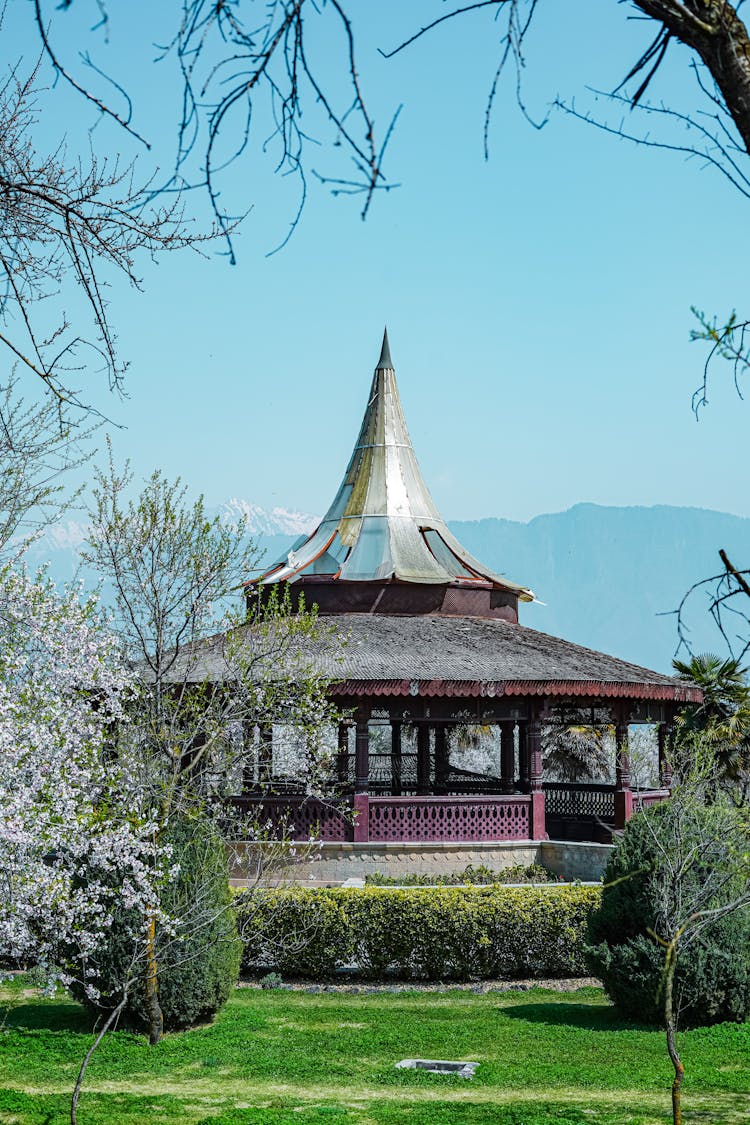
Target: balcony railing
[[458, 819]]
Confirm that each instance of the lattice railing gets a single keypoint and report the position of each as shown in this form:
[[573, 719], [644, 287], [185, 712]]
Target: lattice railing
[[450, 819], [596, 802], [297, 818]]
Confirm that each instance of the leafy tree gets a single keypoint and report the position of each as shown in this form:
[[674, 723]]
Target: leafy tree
[[212, 683], [723, 718], [671, 939], [198, 952]]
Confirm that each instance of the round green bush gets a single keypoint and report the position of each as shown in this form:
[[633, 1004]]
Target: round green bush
[[712, 979], [198, 965]]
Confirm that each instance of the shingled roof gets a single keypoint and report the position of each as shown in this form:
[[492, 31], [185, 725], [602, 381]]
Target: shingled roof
[[379, 655]]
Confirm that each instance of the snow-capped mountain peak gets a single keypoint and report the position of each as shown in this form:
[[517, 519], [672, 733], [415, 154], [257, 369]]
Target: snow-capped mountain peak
[[261, 521]]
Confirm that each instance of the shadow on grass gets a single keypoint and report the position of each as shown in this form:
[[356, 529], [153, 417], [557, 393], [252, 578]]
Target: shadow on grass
[[117, 1109], [573, 1015], [94, 1109], [60, 1015], [466, 1113]]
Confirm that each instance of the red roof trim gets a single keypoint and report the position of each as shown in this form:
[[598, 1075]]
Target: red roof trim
[[677, 692]]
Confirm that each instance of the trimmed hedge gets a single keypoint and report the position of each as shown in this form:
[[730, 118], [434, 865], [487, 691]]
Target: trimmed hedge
[[446, 933]]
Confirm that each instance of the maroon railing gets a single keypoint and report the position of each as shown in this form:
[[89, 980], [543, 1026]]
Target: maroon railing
[[298, 818], [642, 798], [456, 819], [449, 819]]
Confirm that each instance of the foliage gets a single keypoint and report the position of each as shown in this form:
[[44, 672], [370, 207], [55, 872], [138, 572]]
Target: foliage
[[173, 570], [292, 1057], [722, 720], [574, 747], [202, 723], [200, 964], [479, 876], [76, 839], [297, 931], [199, 954], [441, 933], [712, 980]]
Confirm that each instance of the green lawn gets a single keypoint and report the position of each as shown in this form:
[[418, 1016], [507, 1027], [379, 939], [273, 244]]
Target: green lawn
[[290, 1058]]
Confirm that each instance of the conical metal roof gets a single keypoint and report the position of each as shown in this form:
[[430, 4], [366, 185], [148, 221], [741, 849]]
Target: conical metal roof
[[383, 523]]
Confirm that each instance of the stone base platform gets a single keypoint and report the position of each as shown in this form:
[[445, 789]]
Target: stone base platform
[[334, 863]]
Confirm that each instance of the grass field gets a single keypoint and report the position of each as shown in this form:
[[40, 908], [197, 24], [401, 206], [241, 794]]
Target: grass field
[[291, 1058]]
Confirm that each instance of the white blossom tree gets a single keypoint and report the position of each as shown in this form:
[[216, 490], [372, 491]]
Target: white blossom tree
[[73, 835], [77, 841]]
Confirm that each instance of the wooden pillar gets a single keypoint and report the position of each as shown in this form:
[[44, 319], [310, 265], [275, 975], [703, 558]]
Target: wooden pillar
[[507, 757], [423, 759], [442, 764], [396, 757], [534, 755], [623, 794], [523, 758], [362, 751], [249, 756], [362, 775], [342, 758], [265, 753], [665, 769]]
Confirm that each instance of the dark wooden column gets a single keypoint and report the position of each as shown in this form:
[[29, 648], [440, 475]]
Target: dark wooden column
[[362, 751], [442, 764], [248, 757], [396, 757], [523, 757], [362, 775], [623, 794], [534, 755], [663, 732], [507, 756], [265, 753], [534, 748], [342, 758], [423, 759]]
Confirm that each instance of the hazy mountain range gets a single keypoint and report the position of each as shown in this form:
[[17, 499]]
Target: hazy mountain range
[[609, 577]]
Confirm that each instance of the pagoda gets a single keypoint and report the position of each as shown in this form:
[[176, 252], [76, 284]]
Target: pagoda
[[434, 647]]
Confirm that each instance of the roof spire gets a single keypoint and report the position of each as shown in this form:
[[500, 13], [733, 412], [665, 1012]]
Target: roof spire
[[385, 362], [383, 523]]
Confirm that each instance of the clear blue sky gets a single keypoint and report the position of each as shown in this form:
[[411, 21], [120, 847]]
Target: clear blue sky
[[538, 304]]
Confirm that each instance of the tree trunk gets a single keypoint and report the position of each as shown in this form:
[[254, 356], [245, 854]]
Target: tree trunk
[[679, 1069], [153, 1008], [111, 1018], [716, 32]]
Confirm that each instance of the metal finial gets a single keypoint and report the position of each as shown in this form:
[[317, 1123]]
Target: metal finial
[[385, 354]]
